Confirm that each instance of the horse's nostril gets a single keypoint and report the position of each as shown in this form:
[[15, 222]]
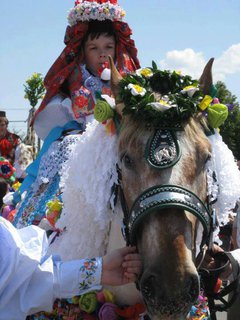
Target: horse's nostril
[[148, 285], [194, 285]]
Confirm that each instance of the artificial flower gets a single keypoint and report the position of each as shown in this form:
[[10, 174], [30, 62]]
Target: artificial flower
[[131, 312], [16, 185], [103, 111], [205, 102], [108, 311], [88, 10], [54, 211], [144, 72], [110, 100], [88, 302], [160, 106], [108, 295], [55, 205], [190, 90], [136, 90], [217, 114]]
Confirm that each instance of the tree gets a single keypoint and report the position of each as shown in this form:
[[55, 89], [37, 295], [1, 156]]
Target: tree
[[230, 130], [34, 90]]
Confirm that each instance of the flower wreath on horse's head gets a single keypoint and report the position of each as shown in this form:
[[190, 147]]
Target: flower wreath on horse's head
[[163, 98], [79, 17]]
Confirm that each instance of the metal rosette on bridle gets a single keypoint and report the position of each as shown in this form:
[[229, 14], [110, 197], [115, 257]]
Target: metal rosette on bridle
[[167, 196], [162, 150]]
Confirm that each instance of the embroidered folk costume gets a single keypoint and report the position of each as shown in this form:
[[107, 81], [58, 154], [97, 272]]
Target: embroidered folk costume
[[69, 103]]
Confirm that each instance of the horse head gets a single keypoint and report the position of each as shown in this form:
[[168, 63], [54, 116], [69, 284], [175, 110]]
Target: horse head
[[162, 158]]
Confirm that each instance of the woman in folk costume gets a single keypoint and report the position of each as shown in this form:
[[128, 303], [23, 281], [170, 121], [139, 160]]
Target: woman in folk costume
[[95, 31]]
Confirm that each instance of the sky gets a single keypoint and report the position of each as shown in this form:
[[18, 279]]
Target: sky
[[177, 35]]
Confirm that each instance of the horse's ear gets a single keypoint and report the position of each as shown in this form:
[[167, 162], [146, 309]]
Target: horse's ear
[[115, 80], [206, 80]]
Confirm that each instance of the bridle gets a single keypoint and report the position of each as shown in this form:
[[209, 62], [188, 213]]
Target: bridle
[[163, 151], [160, 197]]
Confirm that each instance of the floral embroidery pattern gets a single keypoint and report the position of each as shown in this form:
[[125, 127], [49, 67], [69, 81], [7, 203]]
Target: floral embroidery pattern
[[88, 271]]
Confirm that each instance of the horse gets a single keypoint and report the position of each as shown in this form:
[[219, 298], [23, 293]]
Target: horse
[[157, 220], [162, 184]]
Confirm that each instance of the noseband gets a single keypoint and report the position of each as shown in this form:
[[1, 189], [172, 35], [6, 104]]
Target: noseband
[[164, 197]]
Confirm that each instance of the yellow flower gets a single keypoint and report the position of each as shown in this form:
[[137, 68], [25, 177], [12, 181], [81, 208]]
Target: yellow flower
[[16, 186], [108, 296], [55, 205], [145, 72], [136, 90], [205, 102]]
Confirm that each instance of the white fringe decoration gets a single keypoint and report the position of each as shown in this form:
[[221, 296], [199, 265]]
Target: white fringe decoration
[[87, 178], [228, 178]]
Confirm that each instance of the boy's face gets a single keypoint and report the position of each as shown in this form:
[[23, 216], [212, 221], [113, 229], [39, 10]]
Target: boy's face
[[96, 52]]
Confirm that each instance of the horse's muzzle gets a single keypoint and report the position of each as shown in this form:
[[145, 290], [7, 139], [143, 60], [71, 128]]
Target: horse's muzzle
[[165, 303]]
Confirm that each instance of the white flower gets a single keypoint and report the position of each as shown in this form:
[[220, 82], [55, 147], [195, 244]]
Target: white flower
[[161, 105], [190, 90], [144, 72], [136, 90], [110, 100]]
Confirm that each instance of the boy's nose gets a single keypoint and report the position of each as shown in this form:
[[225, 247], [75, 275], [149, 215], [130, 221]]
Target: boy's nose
[[102, 55]]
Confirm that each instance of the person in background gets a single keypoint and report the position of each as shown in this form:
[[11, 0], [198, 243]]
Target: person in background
[[7, 179], [8, 140], [30, 280]]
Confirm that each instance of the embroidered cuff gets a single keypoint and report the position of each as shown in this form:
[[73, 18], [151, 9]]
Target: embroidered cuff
[[77, 277]]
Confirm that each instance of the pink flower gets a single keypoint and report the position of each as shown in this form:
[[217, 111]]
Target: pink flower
[[107, 312]]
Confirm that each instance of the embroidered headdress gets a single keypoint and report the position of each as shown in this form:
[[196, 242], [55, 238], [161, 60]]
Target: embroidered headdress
[[79, 17]]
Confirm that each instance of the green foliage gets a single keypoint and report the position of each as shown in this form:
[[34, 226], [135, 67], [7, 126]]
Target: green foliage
[[230, 130], [34, 89]]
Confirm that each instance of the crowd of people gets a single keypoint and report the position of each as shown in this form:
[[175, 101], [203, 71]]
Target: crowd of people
[[73, 83]]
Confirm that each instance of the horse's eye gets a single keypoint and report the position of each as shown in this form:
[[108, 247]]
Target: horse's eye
[[209, 156], [127, 161]]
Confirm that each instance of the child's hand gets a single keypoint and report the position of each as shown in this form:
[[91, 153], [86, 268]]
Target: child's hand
[[121, 266]]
